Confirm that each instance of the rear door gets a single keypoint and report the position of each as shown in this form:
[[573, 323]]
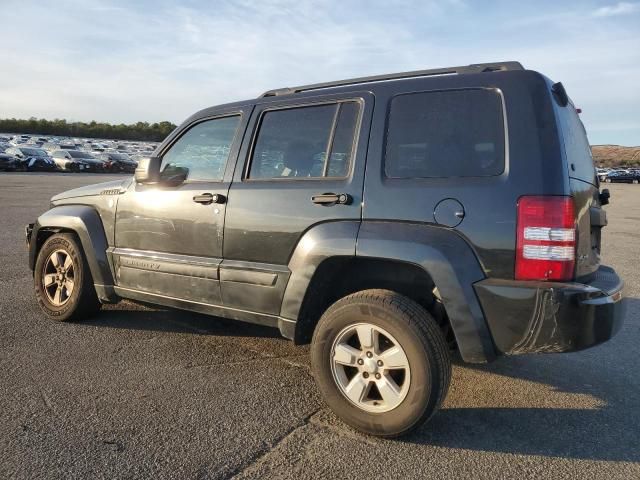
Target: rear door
[[302, 164], [584, 185]]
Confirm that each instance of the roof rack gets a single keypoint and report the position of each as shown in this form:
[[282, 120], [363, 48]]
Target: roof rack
[[474, 68]]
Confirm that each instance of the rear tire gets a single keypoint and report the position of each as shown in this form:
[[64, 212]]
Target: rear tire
[[387, 382], [62, 279]]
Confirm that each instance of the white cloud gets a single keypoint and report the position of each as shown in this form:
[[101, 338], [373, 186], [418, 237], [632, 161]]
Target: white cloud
[[621, 8]]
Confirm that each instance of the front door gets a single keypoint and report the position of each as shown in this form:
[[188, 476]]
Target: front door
[[168, 236], [303, 165]]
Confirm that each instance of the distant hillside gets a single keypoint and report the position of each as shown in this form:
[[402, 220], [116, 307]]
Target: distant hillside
[[615, 155]]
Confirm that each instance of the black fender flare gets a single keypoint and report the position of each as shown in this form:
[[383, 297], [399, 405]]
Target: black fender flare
[[323, 241], [441, 252], [85, 222], [453, 266]]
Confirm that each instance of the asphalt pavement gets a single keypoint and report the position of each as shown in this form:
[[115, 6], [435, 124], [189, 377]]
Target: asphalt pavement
[[154, 393]]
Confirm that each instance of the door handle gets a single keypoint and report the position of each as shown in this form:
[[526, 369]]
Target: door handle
[[329, 199], [207, 198]]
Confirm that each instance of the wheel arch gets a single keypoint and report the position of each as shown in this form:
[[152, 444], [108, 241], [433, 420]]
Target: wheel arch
[[407, 258], [85, 223]]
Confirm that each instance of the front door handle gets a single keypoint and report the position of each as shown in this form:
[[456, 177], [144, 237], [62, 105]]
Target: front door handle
[[208, 198], [329, 199]]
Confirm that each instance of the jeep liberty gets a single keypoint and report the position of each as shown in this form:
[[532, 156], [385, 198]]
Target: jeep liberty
[[390, 221]]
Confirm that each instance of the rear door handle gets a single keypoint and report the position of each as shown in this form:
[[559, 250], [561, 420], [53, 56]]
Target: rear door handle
[[329, 199], [207, 198]]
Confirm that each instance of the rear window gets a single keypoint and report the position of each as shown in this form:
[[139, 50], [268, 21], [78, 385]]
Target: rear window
[[79, 154], [576, 145], [453, 133]]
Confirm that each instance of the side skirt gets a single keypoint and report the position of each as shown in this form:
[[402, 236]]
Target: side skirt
[[284, 325]]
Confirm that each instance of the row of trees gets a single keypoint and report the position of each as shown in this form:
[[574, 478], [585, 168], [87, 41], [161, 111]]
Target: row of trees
[[136, 131]]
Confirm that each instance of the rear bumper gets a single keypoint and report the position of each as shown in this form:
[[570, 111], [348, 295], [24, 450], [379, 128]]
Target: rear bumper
[[538, 317]]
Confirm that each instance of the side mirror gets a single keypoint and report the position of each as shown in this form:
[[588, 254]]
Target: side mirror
[[148, 170], [173, 175], [605, 195]]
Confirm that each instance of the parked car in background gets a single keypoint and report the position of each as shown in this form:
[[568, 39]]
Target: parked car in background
[[7, 162], [95, 147], [66, 162], [50, 146], [118, 162], [31, 159], [78, 161], [623, 176], [602, 173]]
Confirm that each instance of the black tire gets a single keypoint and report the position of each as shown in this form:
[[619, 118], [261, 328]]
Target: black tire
[[83, 302], [419, 336]]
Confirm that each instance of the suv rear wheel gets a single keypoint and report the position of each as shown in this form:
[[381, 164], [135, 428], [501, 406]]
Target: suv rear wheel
[[381, 362], [63, 284]]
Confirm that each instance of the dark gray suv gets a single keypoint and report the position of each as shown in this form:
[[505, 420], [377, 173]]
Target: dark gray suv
[[389, 220]]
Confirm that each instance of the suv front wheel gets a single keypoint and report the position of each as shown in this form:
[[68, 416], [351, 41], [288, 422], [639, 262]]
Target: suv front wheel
[[63, 284], [381, 362]]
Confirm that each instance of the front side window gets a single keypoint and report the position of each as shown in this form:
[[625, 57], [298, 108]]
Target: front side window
[[202, 152], [305, 142], [454, 133]]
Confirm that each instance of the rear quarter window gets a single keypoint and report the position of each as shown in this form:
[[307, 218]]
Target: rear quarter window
[[453, 133], [576, 144]]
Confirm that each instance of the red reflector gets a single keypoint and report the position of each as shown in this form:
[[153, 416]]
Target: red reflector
[[546, 238]]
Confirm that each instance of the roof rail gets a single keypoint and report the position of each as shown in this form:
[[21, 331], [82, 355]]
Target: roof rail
[[474, 68]]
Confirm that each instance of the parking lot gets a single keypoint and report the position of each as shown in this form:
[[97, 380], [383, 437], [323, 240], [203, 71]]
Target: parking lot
[[145, 393]]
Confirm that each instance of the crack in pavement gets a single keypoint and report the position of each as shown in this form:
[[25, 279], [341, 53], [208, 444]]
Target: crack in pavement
[[262, 453], [311, 420]]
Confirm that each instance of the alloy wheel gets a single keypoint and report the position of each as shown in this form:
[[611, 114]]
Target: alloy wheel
[[58, 280], [370, 367]]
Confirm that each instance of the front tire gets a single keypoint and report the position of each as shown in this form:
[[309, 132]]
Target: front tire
[[381, 362], [62, 279]]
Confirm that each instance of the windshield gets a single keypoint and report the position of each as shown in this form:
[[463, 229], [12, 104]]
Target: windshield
[[34, 152], [119, 156], [79, 154]]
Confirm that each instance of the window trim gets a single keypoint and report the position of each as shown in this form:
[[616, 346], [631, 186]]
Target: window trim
[[290, 106], [169, 145], [498, 91]]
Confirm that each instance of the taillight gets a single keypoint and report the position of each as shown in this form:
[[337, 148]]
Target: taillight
[[546, 238]]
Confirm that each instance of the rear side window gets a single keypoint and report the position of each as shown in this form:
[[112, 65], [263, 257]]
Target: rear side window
[[576, 145], [454, 133], [305, 142]]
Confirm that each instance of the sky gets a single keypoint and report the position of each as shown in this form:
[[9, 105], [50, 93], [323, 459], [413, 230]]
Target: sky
[[129, 61]]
